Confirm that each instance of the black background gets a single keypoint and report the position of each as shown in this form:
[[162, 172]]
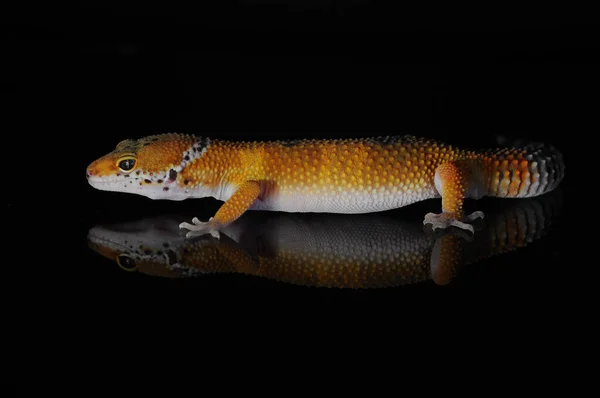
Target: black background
[[81, 79]]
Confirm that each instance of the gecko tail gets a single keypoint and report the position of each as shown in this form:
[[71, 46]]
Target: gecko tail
[[524, 171]]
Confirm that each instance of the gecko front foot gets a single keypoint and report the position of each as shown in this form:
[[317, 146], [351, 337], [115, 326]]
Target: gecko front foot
[[198, 228], [445, 220]]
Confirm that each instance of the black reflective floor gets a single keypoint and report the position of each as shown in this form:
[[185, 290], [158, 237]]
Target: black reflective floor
[[255, 71], [521, 243], [364, 251]]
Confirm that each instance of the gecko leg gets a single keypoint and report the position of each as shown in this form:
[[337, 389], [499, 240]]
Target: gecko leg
[[452, 180], [230, 211], [446, 258]]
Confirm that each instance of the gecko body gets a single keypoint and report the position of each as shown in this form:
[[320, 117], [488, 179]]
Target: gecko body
[[360, 175]]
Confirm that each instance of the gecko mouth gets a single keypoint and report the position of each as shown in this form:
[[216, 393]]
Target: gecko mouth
[[103, 181], [93, 180], [99, 180], [153, 187]]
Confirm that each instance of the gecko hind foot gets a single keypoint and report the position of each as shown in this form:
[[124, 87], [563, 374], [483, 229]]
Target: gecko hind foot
[[446, 220], [198, 228]]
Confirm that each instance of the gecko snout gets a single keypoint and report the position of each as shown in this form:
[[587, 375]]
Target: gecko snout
[[91, 171]]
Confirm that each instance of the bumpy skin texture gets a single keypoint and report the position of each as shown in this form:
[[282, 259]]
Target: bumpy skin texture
[[335, 176], [323, 250]]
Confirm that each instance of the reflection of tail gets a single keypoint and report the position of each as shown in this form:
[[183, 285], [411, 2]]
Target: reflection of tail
[[510, 229], [521, 172], [515, 227]]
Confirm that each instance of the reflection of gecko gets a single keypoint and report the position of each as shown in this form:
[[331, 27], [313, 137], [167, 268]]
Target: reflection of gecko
[[332, 250], [334, 176]]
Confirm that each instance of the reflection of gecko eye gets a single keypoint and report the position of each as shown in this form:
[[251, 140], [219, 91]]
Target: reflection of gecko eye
[[127, 163], [126, 262]]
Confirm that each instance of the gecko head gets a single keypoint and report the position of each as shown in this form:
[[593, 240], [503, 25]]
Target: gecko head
[[149, 166]]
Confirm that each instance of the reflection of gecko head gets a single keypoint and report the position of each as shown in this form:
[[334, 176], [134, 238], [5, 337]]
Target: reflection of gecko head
[[145, 245], [325, 250]]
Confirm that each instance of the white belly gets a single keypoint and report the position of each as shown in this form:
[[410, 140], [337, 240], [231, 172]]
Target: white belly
[[345, 201]]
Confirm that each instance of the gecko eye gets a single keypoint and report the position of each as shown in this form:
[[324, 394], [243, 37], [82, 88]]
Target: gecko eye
[[126, 164], [126, 262]]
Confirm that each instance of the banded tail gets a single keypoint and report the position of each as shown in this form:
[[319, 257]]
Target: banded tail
[[523, 172]]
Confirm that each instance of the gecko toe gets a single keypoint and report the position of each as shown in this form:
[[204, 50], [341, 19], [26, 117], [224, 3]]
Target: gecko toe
[[444, 221], [186, 225], [193, 234], [474, 216], [199, 228]]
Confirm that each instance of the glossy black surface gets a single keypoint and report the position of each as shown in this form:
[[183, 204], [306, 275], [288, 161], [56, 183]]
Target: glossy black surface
[[343, 251], [81, 83]]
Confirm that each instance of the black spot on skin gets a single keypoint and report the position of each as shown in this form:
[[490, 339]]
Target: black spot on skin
[[187, 158], [125, 175], [140, 183], [165, 188], [137, 172], [196, 149], [185, 182], [147, 181], [171, 256], [160, 253], [147, 251], [160, 181], [118, 174], [166, 244], [172, 175]]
